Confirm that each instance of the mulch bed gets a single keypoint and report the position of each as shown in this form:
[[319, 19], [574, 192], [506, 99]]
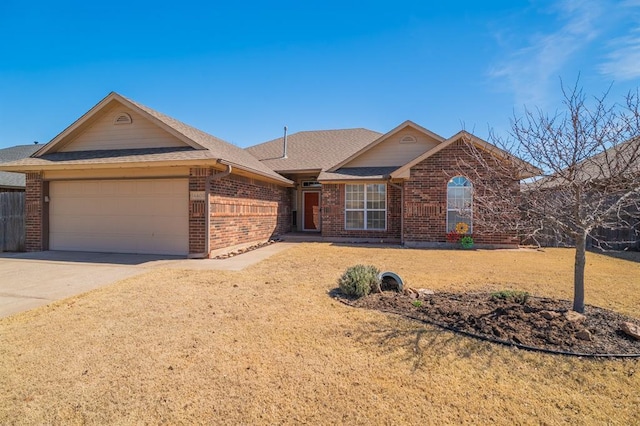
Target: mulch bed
[[539, 323]]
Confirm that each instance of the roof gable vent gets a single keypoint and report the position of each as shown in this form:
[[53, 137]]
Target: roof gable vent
[[408, 139], [122, 118]]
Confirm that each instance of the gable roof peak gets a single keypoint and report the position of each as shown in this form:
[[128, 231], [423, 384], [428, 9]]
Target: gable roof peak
[[383, 137], [190, 136]]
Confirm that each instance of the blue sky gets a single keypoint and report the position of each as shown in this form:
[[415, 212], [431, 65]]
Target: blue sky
[[243, 70]]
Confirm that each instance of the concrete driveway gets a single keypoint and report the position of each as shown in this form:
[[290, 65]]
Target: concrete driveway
[[29, 280]]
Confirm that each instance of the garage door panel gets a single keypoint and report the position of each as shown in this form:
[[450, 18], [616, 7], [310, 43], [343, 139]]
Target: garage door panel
[[127, 216]]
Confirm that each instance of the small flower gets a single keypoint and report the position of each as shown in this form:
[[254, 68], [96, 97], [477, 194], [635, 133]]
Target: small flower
[[453, 237], [462, 228]]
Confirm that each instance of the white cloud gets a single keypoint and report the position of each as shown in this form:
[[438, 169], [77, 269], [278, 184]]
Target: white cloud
[[623, 61], [532, 70]]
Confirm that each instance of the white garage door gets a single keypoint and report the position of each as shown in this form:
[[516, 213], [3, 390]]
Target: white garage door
[[120, 216]]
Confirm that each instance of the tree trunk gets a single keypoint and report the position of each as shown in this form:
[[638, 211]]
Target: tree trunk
[[578, 273]]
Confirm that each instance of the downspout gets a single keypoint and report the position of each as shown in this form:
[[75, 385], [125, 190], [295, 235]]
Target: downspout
[[207, 191], [401, 188]]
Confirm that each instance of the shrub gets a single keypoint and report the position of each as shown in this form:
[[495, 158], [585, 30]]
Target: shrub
[[516, 296], [360, 280]]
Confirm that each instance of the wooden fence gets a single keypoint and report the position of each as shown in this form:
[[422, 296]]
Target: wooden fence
[[12, 229], [617, 239], [602, 238]]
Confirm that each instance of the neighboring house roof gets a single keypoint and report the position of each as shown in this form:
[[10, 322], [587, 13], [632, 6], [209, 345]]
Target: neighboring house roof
[[15, 180], [312, 150], [201, 146], [622, 160]]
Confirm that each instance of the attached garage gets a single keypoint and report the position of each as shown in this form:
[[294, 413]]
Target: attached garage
[[125, 178], [120, 216]]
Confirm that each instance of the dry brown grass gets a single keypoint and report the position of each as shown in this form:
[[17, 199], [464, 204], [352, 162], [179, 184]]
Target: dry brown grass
[[268, 345]]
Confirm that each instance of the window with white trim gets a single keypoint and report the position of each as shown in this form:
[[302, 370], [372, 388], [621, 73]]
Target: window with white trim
[[459, 203], [366, 206]]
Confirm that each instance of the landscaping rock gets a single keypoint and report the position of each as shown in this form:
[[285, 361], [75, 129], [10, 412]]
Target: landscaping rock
[[584, 334], [411, 292], [573, 316], [244, 250], [630, 329], [425, 292], [549, 315]]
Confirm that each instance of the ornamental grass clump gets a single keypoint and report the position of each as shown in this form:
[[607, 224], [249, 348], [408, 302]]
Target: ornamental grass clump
[[360, 280], [515, 296]]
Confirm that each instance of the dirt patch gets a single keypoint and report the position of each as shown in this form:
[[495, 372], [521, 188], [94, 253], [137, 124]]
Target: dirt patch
[[542, 323]]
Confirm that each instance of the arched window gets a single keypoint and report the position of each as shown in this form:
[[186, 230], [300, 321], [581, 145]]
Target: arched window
[[459, 203]]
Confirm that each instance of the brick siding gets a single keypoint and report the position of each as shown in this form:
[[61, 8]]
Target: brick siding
[[242, 210], [425, 204], [34, 201], [426, 198], [197, 212], [333, 216]]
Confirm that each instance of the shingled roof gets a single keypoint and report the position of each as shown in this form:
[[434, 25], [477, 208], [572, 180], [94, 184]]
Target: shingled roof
[[218, 148], [201, 146], [10, 179], [357, 173], [312, 150], [621, 162]]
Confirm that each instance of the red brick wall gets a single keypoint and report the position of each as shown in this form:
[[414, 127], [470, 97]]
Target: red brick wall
[[34, 202], [426, 198], [245, 210], [242, 210], [197, 212], [425, 203], [333, 216]]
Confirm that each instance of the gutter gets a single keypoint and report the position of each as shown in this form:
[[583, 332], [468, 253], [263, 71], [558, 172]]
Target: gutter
[[258, 172]]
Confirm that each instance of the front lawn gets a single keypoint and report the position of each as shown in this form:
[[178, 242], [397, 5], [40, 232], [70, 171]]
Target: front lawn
[[270, 345]]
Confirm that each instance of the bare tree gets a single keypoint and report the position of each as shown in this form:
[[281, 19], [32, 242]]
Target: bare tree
[[588, 156]]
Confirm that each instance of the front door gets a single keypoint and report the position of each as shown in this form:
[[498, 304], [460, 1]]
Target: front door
[[311, 211]]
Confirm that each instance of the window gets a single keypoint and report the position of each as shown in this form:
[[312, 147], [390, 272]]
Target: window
[[366, 206], [459, 203]]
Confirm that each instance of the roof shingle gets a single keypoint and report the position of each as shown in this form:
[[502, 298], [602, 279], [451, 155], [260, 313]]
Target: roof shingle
[[10, 179], [212, 147], [312, 150]]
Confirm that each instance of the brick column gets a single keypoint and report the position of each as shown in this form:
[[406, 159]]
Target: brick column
[[197, 213], [34, 201]]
